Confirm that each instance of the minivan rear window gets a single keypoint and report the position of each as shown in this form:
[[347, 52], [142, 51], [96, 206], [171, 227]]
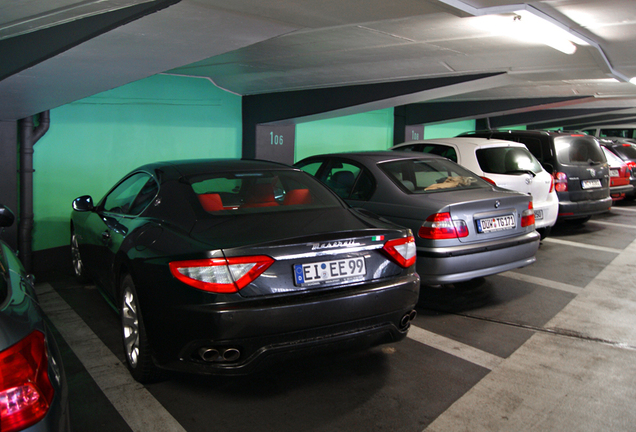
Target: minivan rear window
[[573, 150]]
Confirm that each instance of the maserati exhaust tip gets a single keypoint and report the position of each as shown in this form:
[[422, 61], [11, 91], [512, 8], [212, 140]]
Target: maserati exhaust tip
[[231, 354], [208, 354]]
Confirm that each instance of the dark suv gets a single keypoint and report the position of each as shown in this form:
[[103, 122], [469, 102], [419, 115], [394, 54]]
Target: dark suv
[[577, 163]]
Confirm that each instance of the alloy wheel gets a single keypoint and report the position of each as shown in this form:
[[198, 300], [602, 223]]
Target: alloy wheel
[[130, 326], [78, 265]]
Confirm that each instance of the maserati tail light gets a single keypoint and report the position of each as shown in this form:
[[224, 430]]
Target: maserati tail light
[[560, 182], [440, 226], [402, 250], [25, 388], [221, 275], [527, 217]]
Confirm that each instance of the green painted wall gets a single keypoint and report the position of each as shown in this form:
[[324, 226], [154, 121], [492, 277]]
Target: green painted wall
[[448, 130], [94, 142], [372, 130]]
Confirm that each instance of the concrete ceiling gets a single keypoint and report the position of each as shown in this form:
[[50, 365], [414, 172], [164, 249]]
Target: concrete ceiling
[[256, 47]]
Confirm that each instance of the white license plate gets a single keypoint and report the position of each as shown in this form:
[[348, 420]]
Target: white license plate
[[613, 173], [590, 184], [324, 271], [496, 224], [538, 214]]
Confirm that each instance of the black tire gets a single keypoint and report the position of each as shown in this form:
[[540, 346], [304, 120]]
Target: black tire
[[544, 232], [136, 346], [578, 221], [78, 264]]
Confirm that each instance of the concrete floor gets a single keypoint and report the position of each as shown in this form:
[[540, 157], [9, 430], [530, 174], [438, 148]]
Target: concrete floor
[[548, 347]]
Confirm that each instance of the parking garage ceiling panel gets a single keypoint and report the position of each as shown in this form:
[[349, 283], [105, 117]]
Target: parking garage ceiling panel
[[251, 47]]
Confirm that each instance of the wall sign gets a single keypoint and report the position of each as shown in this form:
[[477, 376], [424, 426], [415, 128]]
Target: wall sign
[[413, 132], [276, 143]]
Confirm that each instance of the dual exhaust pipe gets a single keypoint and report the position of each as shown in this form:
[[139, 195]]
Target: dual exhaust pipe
[[210, 355], [405, 322]]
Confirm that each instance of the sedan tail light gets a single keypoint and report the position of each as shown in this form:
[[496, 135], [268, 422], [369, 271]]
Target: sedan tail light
[[551, 184], [527, 217], [25, 388], [440, 226], [402, 250], [560, 182], [489, 180], [221, 275]]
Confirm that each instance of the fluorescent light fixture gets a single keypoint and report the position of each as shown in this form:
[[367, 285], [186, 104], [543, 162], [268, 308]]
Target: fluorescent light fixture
[[530, 26], [544, 13]]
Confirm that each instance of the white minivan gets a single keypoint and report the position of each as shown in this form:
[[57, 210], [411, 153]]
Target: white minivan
[[506, 164]]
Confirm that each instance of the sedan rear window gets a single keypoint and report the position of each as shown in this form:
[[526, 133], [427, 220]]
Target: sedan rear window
[[254, 192], [507, 160], [431, 175], [578, 150]]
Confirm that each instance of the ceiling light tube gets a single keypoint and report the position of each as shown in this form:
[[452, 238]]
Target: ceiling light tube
[[513, 8]]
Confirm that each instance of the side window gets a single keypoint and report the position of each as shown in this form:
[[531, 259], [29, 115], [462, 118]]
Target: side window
[[364, 187], [441, 150], [341, 178], [407, 148], [311, 168], [132, 195]]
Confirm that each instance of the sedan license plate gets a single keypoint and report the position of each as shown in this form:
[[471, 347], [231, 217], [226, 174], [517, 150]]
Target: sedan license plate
[[496, 224], [318, 272], [590, 184], [538, 214]]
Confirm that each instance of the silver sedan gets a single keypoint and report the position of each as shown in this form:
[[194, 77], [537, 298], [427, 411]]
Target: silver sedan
[[464, 226]]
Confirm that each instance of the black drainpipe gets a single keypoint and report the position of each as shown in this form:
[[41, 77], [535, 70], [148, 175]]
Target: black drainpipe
[[28, 137]]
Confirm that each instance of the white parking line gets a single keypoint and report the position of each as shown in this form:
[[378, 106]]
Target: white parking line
[[543, 282], [135, 404], [612, 224], [454, 348], [627, 209], [582, 245]]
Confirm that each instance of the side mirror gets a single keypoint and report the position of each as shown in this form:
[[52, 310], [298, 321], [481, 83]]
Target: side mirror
[[83, 204], [6, 216]]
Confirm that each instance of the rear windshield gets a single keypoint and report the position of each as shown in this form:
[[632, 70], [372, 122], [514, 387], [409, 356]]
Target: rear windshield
[[255, 192], [572, 150], [507, 160], [431, 175], [627, 151]]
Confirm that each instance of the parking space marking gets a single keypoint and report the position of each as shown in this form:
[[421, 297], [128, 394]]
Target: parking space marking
[[543, 282], [612, 224], [624, 209], [454, 348], [583, 245], [135, 404]]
